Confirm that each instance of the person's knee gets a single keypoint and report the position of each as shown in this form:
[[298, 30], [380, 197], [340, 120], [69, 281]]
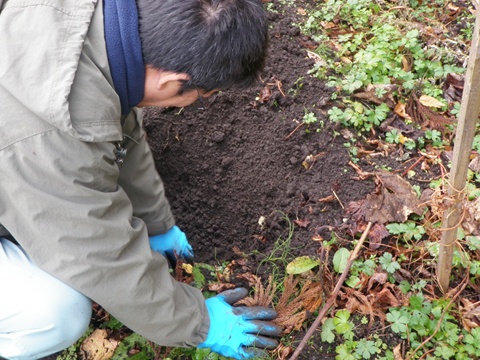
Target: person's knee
[[67, 316], [57, 319]]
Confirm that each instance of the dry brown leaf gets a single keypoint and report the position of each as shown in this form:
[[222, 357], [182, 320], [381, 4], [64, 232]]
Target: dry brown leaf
[[220, 287], [301, 11], [328, 25], [261, 296], [393, 201], [296, 302], [406, 64], [425, 116], [316, 58], [377, 278], [303, 223], [475, 164], [329, 198], [282, 352], [358, 302], [98, 346], [377, 233], [370, 94], [238, 252], [469, 314], [471, 221], [265, 94], [252, 279], [453, 87], [400, 111], [397, 352], [430, 101], [385, 298]]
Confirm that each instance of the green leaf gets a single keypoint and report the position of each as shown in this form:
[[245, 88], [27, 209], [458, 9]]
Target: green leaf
[[388, 264], [301, 264], [473, 242], [327, 331], [133, 341], [445, 352], [340, 259], [353, 282], [342, 323], [404, 286], [366, 348], [399, 321], [198, 277], [112, 324], [344, 353]]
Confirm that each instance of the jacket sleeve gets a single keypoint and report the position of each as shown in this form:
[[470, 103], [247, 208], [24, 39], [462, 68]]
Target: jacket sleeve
[[140, 179], [61, 201]]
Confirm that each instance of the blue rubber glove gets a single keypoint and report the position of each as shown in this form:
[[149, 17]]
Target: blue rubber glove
[[237, 331], [173, 244]]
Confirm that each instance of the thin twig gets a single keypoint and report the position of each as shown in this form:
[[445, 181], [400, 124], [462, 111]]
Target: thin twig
[[294, 130], [333, 296], [338, 199], [414, 164]]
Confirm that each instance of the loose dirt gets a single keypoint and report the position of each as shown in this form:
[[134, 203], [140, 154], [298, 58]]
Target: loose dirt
[[240, 164], [244, 156]]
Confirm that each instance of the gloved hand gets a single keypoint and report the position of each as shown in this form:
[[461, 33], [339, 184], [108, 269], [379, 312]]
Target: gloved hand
[[237, 331], [174, 241]]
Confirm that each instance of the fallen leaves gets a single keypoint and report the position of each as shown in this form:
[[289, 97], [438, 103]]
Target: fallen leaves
[[301, 265], [392, 201], [471, 221], [371, 91], [470, 314], [98, 346], [261, 296], [430, 101], [423, 115], [453, 87], [299, 299]]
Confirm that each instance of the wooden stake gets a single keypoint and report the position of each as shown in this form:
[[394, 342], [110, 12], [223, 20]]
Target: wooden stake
[[468, 117]]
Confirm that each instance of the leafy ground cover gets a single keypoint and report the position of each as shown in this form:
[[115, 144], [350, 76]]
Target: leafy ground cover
[[350, 129]]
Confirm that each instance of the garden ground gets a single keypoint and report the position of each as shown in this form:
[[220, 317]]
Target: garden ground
[[255, 185]]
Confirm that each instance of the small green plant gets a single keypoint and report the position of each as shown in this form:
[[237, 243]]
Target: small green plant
[[375, 53], [407, 231], [137, 342], [431, 325], [342, 328], [392, 137], [297, 86], [476, 143], [310, 119], [359, 116], [388, 263], [435, 137]]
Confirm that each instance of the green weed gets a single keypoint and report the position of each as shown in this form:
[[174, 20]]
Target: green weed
[[376, 52]]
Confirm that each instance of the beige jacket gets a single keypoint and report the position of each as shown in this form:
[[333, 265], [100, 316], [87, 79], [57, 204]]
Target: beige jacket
[[80, 216]]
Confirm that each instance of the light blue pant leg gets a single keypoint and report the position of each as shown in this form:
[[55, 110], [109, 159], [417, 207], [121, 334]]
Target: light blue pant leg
[[39, 315]]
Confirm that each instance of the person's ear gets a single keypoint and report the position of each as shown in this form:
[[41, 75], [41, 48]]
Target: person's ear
[[166, 77]]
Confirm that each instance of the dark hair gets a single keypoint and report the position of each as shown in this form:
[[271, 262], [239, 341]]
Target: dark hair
[[219, 43]]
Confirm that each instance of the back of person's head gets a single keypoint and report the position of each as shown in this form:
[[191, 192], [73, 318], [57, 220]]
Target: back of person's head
[[219, 43]]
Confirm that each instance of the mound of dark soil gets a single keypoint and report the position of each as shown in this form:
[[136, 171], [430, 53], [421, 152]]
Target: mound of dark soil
[[244, 156]]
